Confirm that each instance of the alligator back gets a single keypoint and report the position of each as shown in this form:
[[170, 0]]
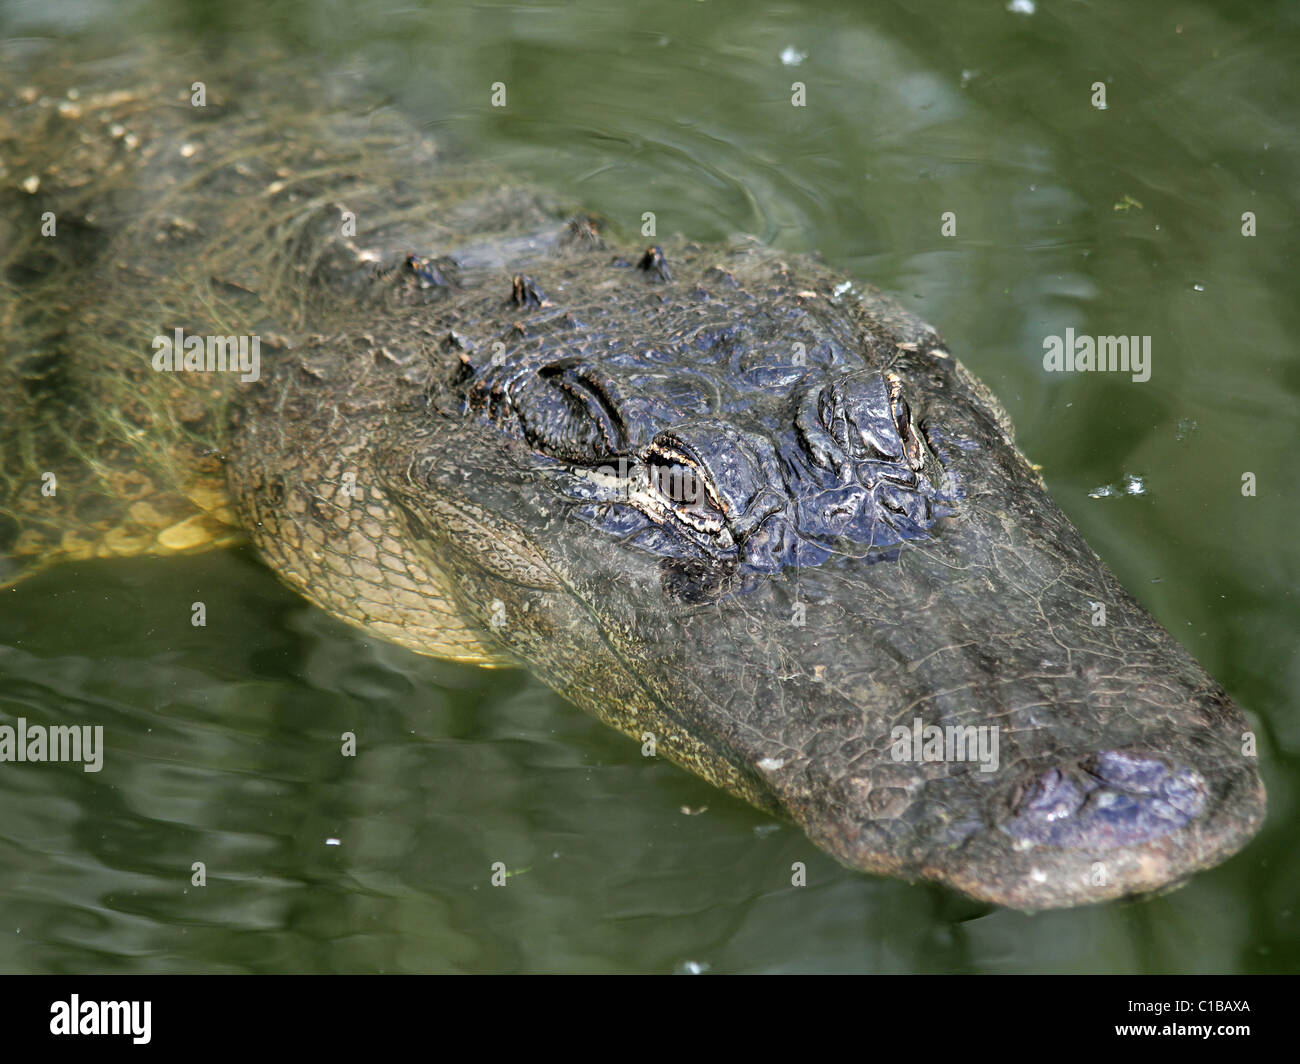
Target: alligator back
[[178, 224]]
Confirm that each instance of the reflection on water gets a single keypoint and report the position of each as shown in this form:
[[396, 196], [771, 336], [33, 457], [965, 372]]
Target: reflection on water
[[224, 743]]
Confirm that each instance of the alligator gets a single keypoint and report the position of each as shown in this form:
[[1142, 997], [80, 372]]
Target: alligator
[[730, 502]]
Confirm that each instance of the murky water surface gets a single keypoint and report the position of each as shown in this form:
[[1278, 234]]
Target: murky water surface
[[224, 741]]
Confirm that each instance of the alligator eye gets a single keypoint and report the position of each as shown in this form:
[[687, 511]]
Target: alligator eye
[[681, 479], [913, 448], [678, 482]]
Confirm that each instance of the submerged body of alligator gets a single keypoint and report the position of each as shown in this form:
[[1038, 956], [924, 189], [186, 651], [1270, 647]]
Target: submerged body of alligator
[[713, 494]]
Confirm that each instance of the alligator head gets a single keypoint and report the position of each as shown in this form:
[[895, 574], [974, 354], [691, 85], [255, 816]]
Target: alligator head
[[768, 520]]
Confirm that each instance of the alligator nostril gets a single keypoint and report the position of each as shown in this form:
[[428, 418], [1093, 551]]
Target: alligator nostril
[[1178, 790], [1108, 799], [1052, 796], [1126, 769]]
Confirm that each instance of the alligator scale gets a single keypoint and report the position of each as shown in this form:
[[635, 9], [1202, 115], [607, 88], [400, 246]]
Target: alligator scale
[[717, 494]]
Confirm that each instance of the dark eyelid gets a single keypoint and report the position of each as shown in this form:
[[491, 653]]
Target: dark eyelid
[[580, 395], [579, 382]]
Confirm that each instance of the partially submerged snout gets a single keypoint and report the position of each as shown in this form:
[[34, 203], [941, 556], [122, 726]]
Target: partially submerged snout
[[954, 715]]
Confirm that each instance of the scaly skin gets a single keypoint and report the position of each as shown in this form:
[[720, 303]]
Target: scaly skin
[[459, 452]]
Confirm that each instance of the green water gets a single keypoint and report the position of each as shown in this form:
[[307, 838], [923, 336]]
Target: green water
[[223, 741]]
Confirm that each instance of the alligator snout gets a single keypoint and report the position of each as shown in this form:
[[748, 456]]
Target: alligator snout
[[1116, 823]]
